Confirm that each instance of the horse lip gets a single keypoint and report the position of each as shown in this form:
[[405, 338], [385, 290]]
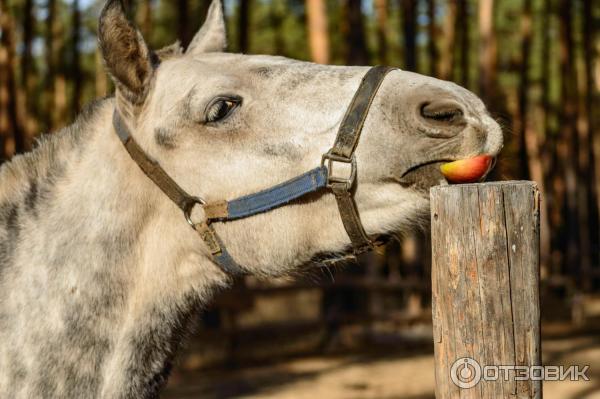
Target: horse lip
[[426, 163], [442, 161]]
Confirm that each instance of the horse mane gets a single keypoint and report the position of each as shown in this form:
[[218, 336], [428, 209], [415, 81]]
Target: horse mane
[[49, 157]]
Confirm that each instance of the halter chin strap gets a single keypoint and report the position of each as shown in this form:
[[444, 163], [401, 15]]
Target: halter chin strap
[[281, 194]]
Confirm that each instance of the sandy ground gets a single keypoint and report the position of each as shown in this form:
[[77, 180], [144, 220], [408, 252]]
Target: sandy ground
[[381, 376]]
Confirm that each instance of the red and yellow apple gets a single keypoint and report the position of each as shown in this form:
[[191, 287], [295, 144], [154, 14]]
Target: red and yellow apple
[[469, 170]]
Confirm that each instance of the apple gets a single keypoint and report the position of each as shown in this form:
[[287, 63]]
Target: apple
[[469, 170]]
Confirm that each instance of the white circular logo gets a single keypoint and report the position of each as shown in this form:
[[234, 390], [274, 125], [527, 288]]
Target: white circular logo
[[465, 373]]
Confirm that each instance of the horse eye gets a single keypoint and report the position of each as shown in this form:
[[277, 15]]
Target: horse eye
[[221, 109]]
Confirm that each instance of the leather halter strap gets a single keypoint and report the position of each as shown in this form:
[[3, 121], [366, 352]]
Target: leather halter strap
[[179, 196], [343, 151], [281, 194]]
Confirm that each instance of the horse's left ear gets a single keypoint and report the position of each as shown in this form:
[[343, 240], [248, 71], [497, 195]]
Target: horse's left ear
[[126, 55], [212, 37]]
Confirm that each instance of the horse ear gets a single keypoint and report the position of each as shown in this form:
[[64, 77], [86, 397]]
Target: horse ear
[[126, 55], [212, 37]]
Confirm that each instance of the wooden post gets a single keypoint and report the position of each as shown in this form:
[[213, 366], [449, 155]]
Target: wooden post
[[485, 283]]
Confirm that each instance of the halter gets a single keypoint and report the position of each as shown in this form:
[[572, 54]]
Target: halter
[[320, 178]]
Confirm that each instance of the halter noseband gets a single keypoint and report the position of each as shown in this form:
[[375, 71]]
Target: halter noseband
[[317, 179]]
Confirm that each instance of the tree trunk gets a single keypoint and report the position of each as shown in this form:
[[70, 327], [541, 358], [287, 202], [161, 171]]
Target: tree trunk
[[520, 119], [567, 147], [589, 55], [354, 34], [529, 139], [409, 30], [56, 85], [488, 52], [584, 86], [244, 26], [60, 81], [28, 34], [60, 100], [465, 42], [432, 38], [446, 65], [183, 22], [11, 133], [489, 90], [546, 71], [50, 64], [381, 13], [277, 13], [144, 17], [318, 33], [554, 176], [76, 75], [28, 76], [203, 9]]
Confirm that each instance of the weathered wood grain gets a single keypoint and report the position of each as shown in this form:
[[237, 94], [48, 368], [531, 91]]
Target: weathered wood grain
[[485, 278]]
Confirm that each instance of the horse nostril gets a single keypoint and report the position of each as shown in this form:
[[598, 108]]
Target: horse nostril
[[443, 112]]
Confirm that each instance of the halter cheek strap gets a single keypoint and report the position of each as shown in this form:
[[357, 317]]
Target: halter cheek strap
[[312, 181], [343, 151]]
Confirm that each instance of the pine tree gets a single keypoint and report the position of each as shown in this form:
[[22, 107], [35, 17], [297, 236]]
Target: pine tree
[[446, 64], [354, 33], [316, 12], [409, 33], [381, 12], [432, 49], [11, 134]]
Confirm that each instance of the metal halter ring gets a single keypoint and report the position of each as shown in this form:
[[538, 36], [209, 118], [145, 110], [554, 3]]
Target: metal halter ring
[[330, 158], [187, 212]]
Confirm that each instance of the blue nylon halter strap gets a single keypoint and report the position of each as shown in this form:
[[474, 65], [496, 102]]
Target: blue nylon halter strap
[[276, 196]]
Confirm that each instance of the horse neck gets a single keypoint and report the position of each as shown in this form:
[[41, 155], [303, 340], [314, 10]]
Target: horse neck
[[99, 278]]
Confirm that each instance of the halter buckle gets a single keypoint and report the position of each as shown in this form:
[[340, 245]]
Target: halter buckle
[[329, 158], [187, 212]]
